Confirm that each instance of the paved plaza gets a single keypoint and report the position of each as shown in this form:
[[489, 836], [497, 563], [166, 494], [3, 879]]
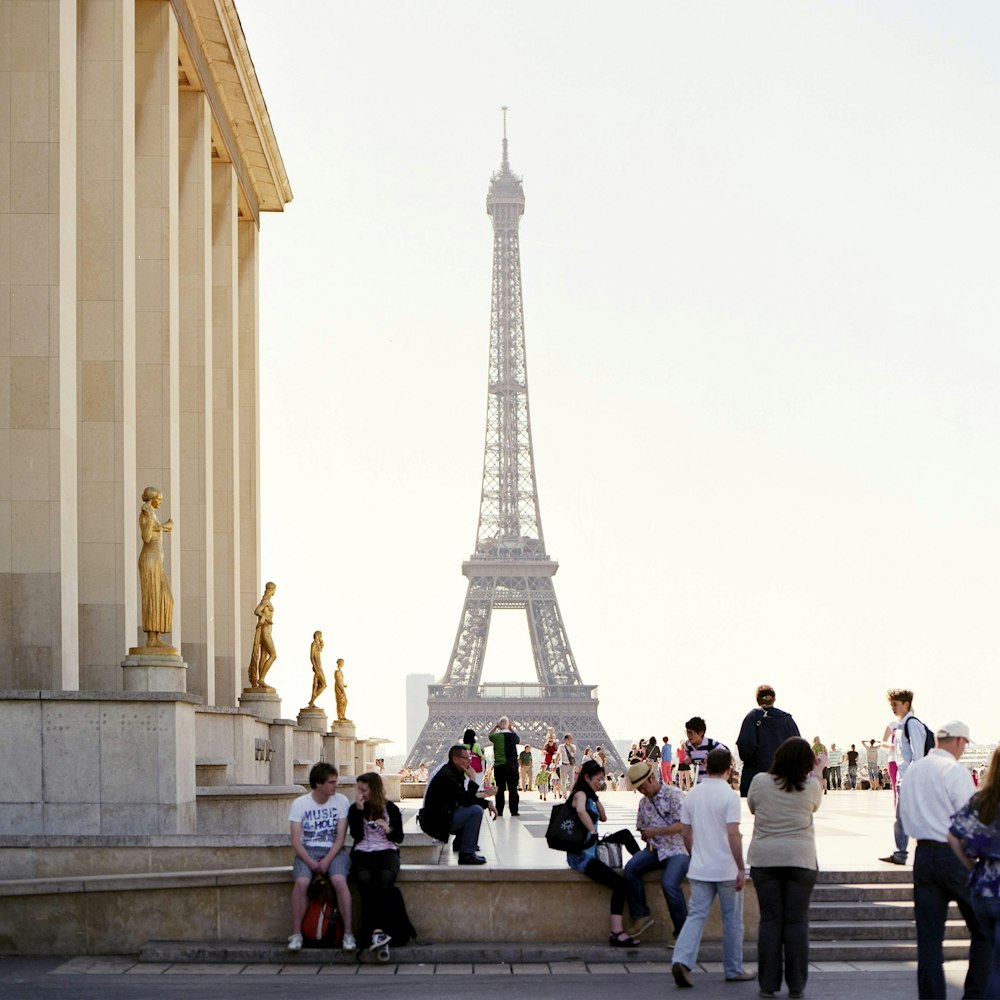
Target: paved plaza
[[121, 978], [853, 829]]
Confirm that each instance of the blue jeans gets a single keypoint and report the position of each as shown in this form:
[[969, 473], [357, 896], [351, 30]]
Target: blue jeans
[[938, 877], [674, 869], [465, 821], [731, 904], [988, 910]]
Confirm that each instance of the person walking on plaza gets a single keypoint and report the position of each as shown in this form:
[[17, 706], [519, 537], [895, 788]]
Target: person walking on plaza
[[974, 836], [710, 826], [764, 729], [698, 747], [910, 744], [567, 762], [659, 824], [453, 804], [583, 798], [318, 822], [834, 764], [666, 760], [525, 760], [505, 775], [542, 782], [935, 788], [783, 865]]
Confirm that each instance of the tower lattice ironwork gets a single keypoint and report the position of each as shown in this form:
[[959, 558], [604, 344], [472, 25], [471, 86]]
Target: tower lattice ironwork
[[510, 568]]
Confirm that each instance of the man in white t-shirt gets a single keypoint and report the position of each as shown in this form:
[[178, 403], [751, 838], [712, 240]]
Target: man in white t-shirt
[[710, 826], [318, 823]]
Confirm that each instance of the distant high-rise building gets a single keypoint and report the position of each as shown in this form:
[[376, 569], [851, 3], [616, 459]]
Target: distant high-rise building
[[416, 705]]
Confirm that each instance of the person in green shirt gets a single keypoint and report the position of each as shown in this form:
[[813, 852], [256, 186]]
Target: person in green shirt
[[505, 741], [525, 760]]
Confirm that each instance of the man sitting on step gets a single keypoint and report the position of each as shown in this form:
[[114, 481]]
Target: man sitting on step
[[453, 803]]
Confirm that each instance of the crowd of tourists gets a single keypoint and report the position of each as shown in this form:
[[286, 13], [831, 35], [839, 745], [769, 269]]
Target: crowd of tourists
[[688, 820]]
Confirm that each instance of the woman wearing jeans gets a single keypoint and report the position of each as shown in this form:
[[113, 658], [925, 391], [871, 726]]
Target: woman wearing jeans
[[783, 866]]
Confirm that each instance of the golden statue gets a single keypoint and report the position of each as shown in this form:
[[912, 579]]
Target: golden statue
[[319, 678], [157, 601], [263, 653], [340, 691]]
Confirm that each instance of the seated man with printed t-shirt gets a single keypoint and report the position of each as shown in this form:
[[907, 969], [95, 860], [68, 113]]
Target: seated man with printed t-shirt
[[318, 822]]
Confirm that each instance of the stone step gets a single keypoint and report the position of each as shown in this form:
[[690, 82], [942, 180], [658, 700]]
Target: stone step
[[886, 874], [878, 951], [870, 930], [862, 892], [886, 909]]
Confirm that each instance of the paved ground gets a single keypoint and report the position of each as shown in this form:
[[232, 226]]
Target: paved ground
[[123, 979], [853, 829]]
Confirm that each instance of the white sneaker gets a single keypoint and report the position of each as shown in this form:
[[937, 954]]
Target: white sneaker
[[379, 939], [295, 942], [349, 943]]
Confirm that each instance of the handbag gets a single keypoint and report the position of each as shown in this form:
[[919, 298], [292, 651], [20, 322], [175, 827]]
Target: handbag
[[565, 831], [609, 853]]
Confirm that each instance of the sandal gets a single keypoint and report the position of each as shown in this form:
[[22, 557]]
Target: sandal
[[616, 941]]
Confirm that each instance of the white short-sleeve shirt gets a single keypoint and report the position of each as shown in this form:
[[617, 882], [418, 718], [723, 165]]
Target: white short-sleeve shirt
[[708, 809], [319, 822]]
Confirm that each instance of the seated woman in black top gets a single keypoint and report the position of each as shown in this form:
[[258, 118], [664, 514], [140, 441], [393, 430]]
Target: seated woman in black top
[[377, 829]]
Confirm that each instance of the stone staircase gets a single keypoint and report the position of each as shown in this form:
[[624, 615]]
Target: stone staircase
[[869, 914]]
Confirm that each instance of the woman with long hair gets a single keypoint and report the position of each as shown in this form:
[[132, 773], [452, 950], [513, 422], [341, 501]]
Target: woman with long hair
[[583, 798], [975, 837], [783, 865], [377, 829]]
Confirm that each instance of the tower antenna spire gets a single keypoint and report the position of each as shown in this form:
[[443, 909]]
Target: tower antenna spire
[[505, 165]]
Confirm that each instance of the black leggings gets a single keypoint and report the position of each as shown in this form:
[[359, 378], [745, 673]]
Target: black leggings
[[375, 872], [600, 873]]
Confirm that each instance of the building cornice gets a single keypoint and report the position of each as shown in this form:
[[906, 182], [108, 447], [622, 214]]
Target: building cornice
[[214, 42]]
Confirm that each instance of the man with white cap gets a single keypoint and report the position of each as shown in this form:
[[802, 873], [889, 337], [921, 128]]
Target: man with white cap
[[936, 787]]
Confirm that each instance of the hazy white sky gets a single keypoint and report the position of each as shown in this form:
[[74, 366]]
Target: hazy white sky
[[760, 260]]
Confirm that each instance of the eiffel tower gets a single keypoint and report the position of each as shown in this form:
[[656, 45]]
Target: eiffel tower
[[510, 568]]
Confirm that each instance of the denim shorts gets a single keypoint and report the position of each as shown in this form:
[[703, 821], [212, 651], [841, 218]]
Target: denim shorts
[[341, 864]]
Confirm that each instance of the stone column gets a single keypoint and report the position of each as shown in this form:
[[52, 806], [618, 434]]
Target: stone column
[[105, 314], [197, 582], [229, 650], [248, 430], [38, 647], [157, 340]]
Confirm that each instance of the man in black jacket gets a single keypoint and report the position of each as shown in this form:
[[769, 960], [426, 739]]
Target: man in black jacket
[[453, 805], [764, 729]]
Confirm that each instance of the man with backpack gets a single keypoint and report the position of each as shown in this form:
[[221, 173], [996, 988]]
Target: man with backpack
[[912, 741]]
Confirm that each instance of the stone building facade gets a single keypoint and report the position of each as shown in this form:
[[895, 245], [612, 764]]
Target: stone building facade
[[136, 157]]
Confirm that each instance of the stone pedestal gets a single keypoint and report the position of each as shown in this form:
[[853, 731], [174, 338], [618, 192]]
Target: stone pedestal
[[264, 703], [344, 734], [154, 668], [312, 718]]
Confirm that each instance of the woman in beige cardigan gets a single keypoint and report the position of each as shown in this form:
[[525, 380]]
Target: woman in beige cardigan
[[783, 866]]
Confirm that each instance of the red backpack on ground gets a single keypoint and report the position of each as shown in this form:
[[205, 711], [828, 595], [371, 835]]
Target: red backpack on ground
[[322, 926]]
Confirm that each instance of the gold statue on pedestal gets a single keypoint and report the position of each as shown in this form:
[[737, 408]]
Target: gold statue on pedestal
[[340, 691], [154, 588], [263, 653], [319, 678]]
